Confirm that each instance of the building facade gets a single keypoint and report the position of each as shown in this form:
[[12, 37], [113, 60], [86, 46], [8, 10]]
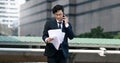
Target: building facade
[[9, 12], [83, 15], [35, 13]]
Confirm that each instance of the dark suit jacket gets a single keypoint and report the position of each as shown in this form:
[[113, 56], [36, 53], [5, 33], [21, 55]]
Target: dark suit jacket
[[50, 49]]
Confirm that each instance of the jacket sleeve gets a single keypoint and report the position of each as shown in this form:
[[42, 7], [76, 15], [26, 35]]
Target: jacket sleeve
[[45, 31], [69, 32]]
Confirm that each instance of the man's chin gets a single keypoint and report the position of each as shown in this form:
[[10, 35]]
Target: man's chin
[[59, 19]]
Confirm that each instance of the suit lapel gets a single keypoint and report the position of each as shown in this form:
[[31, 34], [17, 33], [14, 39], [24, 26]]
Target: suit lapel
[[54, 24]]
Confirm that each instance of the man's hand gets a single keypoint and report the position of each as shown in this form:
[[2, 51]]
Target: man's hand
[[65, 18], [47, 40]]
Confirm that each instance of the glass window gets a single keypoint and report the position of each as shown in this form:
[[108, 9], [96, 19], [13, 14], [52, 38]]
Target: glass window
[[12, 0], [12, 3], [2, 8], [1, 3]]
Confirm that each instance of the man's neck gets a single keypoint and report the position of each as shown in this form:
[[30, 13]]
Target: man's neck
[[59, 20]]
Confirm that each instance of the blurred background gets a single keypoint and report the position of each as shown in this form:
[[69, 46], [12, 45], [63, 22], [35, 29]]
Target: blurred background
[[27, 17], [89, 18]]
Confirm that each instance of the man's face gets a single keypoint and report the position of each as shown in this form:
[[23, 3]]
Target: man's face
[[58, 15]]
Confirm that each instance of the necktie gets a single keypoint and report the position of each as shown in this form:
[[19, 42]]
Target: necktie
[[59, 25]]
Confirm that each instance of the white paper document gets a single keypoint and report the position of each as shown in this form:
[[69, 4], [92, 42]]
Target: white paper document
[[58, 37]]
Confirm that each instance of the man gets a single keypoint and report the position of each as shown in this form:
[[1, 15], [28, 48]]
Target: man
[[54, 55]]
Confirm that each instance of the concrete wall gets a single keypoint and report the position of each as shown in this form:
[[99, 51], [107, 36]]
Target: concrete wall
[[35, 13], [33, 16], [93, 13], [83, 15]]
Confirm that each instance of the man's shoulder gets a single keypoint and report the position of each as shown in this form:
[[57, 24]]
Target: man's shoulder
[[51, 20]]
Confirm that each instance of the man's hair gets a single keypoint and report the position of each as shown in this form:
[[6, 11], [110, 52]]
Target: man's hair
[[56, 8]]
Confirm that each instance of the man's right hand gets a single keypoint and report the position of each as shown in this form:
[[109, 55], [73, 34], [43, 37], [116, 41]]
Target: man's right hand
[[47, 40]]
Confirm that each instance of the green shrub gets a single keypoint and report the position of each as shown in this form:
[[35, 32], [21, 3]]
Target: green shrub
[[96, 33]]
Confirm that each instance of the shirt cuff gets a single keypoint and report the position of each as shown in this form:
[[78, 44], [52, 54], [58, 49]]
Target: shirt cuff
[[46, 40], [66, 25]]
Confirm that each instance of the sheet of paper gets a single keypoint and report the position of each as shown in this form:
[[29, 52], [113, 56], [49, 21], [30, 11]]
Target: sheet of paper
[[58, 37]]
